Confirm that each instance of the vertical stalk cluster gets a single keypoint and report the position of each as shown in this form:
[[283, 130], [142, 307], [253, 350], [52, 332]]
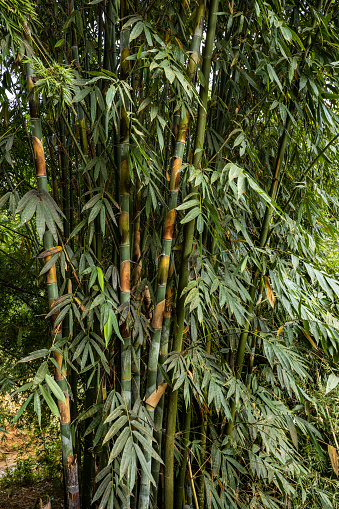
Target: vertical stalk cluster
[[186, 251], [69, 459]]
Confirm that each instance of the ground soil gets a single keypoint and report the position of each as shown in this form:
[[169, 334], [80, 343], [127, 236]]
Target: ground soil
[[16, 444], [28, 496]]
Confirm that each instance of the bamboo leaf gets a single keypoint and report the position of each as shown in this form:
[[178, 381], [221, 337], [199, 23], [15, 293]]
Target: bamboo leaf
[[55, 388], [144, 464], [108, 329], [92, 201], [126, 457], [102, 487], [29, 209], [332, 383], [119, 444], [115, 428], [35, 355], [49, 252], [23, 201], [22, 408], [136, 31], [306, 334], [49, 264], [108, 493], [61, 315], [293, 431], [81, 94], [147, 447], [3, 200], [23, 387], [116, 325], [78, 228], [101, 278], [103, 473], [191, 215], [99, 299], [234, 171], [89, 412], [49, 400], [188, 204], [94, 212], [37, 406], [332, 452]]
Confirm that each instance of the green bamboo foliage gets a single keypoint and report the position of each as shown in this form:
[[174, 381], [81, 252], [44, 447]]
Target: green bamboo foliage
[[186, 251], [264, 106], [69, 459], [254, 341], [264, 234], [257, 276]]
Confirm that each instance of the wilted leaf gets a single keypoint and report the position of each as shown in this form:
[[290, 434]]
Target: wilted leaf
[[49, 252], [269, 290], [332, 452]]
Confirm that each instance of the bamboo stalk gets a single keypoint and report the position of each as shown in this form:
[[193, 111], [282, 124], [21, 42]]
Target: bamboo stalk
[[159, 411], [203, 430], [69, 459], [254, 285], [125, 184], [137, 266], [186, 251], [180, 484], [192, 484]]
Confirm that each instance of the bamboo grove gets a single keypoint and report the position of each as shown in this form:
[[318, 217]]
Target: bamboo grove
[[173, 170]]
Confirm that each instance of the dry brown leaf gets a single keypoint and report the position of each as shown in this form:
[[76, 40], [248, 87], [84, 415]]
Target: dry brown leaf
[[280, 330], [306, 334], [50, 252], [155, 397], [332, 452], [269, 290]]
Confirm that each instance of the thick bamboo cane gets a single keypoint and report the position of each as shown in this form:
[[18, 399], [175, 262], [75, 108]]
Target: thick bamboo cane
[[125, 184], [180, 483], [69, 459], [159, 411], [187, 249]]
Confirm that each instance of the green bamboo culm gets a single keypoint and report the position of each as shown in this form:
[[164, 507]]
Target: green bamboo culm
[[159, 410], [135, 278], [70, 465], [125, 183], [180, 482], [186, 251]]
